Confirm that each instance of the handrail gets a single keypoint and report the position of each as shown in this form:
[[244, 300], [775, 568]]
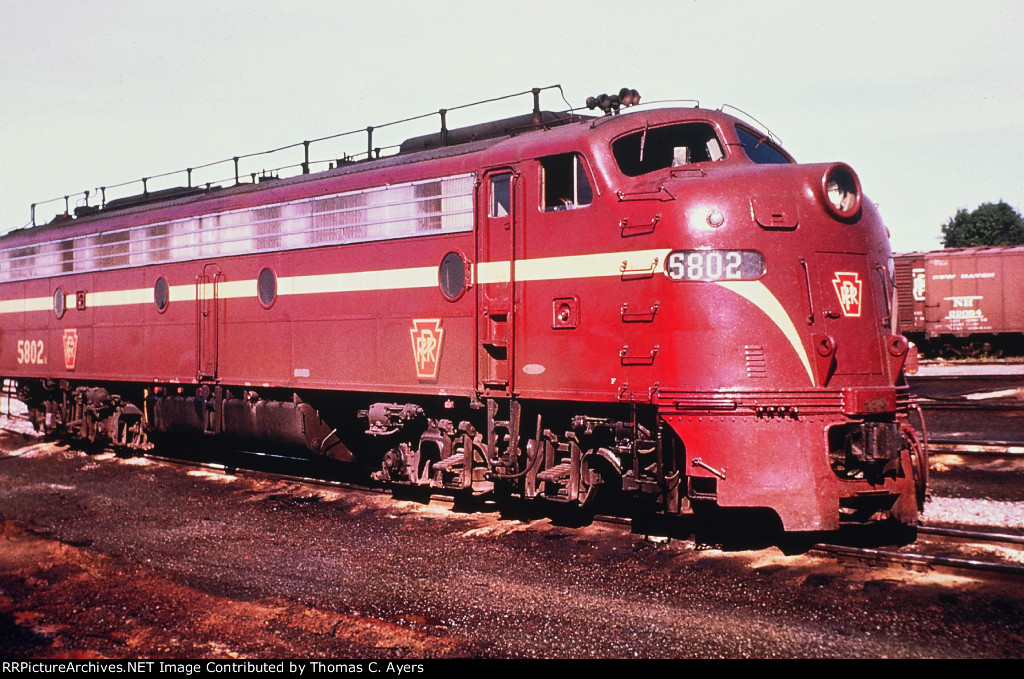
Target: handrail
[[372, 152]]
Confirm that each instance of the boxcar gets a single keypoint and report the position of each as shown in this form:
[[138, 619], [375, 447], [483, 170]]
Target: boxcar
[[963, 301]]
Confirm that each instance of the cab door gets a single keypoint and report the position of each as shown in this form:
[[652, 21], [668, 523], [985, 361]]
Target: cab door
[[207, 322], [496, 285]]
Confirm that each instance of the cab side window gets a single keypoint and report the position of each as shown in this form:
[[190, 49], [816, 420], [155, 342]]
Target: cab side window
[[501, 195], [564, 183]]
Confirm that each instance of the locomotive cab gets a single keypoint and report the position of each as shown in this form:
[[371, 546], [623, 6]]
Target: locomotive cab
[[779, 276]]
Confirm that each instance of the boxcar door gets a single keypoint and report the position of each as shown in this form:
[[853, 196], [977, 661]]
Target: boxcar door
[[207, 322], [495, 290]]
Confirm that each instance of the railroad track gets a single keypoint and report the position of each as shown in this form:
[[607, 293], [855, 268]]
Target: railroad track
[[938, 535], [916, 558], [965, 404], [971, 386], [256, 465], [950, 445], [941, 537]]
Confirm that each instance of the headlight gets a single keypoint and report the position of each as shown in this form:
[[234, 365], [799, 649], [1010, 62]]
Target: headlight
[[841, 190]]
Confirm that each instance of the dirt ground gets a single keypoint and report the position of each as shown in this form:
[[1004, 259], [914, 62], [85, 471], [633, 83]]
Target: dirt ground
[[113, 557]]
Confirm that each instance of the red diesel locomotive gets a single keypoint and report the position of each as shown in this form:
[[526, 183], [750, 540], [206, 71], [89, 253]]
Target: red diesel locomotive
[[654, 302]]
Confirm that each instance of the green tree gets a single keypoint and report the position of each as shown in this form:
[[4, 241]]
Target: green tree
[[989, 224]]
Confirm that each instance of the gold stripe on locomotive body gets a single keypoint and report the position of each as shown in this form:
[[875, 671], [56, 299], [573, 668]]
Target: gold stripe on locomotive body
[[653, 302]]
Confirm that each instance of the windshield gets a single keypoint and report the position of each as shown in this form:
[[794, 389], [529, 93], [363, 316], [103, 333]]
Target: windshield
[[657, 148], [760, 150]]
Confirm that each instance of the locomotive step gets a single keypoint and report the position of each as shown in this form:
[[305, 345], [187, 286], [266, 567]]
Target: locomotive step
[[557, 474], [449, 462]]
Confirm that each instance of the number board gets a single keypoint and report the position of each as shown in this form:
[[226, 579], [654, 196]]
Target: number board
[[714, 265]]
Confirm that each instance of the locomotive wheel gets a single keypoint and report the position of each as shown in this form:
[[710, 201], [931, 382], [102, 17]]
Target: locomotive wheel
[[589, 481], [919, 464], [595, 474]]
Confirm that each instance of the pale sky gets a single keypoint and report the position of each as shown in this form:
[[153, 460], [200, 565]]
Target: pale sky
[[925, 100]]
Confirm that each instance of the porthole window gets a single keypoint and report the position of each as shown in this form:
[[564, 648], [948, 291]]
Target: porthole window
[[161, 294], [60, 304], [451, 276], [266, 288]]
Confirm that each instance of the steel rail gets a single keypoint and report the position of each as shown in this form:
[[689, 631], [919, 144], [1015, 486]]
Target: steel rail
[[964, 404], [971, 534], [939, 446], [921, 559]]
